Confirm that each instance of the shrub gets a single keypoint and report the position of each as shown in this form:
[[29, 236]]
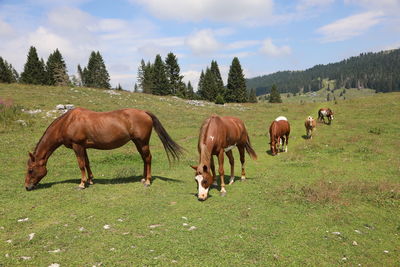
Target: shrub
[[219, 100]]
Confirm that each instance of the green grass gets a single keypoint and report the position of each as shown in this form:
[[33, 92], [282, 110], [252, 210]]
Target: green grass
[[345, 179]]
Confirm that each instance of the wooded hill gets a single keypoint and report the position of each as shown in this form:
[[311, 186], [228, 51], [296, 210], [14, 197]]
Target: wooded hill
[[379, 71]]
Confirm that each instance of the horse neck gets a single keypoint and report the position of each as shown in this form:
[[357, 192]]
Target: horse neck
[[49, 142], [206, 144]]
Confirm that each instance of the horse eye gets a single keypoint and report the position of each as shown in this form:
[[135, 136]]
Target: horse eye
[[30, 170]]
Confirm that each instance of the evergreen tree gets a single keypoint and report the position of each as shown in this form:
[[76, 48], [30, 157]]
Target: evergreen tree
[[56, 70], [252, 96], [209, 87], [145, 77], [173, 75], [95, 74], [275, 96], [7, 73], [136, 88], [218, 79], [34, 72], [190, 91], [161, 84], [236, 87], [200, 84]]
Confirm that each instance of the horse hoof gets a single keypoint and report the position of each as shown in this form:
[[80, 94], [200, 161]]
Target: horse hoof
[[222, 194], [143, 181], [146, 184], [80, 188]]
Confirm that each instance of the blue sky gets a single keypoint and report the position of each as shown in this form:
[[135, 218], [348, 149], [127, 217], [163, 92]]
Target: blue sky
[[266, 35]]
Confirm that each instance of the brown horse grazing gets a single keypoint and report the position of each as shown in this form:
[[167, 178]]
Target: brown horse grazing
[[219, 135], [325, 112], [80, 129], [279, 129], [310, 125]]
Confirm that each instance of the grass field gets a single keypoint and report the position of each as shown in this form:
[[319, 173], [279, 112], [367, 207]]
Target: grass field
[[333, 200]]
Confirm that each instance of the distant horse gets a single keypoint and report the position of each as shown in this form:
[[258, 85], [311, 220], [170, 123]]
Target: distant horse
[[279, 130], [310, 125], [80, 129], [219, 135], [325, 112]]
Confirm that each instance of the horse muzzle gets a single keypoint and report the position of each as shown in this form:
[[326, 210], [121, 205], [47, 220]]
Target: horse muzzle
[[30, 187]]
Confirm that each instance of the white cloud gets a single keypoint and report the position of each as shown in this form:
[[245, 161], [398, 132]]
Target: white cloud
[[198, 10], [193, 76], [203, 42], [5, 29], [270, 49], [349, 27]]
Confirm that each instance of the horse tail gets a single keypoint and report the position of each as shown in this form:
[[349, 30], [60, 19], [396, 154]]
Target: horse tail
[[170, 146], [250, 149]]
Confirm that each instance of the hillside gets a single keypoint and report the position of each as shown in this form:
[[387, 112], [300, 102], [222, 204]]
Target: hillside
[[379, 71], [330, 201]]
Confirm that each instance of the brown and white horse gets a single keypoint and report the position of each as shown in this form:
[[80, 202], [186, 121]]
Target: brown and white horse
[[310, 125], [219, 135], [80, 129], [279, 130], [325, 112]]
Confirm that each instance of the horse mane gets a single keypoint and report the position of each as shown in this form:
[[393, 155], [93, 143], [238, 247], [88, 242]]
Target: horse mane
[[51, 124], [205, 155]]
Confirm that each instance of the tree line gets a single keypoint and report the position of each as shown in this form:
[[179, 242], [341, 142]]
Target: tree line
[[379, 71], [162, 77]]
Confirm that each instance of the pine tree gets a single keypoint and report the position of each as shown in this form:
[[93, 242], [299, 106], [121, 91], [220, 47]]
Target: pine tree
[[161, 84], [56, 70], [253, 96], [218, 79], [190, 91], [209, 86], [34, 72], [7, 73], [136, 88], [148, 83], [236, 87], [173, 74], [200, 84], [275, 96], [95, 74]]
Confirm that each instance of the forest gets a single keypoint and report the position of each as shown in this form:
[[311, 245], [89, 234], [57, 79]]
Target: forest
[[379, 71]]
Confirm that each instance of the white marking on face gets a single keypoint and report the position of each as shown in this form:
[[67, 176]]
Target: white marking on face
[[212, 138], [229, 148], [202, 192], [281, 118]]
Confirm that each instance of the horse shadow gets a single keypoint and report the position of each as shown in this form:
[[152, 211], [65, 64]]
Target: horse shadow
[[108, 181], [305, 137]]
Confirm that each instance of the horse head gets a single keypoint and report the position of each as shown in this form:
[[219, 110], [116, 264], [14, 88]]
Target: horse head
[[330, 114], [36, 171], [204, 181]]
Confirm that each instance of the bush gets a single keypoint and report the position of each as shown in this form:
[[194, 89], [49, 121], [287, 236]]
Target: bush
[[219, 100]]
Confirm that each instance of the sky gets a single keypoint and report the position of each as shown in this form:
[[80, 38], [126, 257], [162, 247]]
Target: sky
[[266, 35]]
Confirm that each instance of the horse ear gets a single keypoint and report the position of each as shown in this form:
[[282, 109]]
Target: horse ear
[[205, 168], [31, 156], [194, 167]]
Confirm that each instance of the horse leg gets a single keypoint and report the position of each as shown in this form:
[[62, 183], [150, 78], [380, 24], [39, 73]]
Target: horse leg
[[287, 142], [144, 151], [80, 155], [241, 153], [212, 165], [229, 154], [221, 171], [89, 171]]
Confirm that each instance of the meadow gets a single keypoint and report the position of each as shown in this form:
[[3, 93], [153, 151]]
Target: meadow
[[333, 200]]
